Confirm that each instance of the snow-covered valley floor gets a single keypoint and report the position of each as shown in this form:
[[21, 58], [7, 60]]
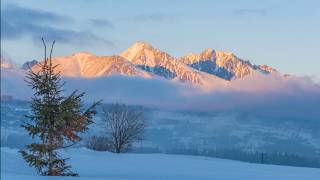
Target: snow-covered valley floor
[[108, 166]]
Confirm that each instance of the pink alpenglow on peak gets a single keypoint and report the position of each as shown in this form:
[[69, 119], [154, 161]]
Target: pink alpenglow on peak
[[89, 66]]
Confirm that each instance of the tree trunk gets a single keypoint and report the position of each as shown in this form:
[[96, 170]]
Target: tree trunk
[[50, 157]]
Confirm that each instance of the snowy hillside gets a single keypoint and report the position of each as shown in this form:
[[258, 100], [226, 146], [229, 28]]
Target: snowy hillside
[[103, 165]]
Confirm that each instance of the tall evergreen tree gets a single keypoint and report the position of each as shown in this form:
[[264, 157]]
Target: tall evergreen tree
[[56, 120]]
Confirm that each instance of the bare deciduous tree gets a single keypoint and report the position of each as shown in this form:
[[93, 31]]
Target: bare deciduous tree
[[125, 125]]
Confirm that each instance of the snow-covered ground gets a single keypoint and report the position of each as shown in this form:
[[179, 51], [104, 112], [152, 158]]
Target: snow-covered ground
[[108, 166]]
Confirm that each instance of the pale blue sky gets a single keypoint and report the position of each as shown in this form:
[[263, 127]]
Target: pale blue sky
[[282, 33]]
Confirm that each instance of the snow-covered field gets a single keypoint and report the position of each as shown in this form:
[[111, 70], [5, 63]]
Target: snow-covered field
[[108, 166]]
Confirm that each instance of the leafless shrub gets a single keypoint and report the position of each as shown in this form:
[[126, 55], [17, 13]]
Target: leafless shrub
[[99, 143]]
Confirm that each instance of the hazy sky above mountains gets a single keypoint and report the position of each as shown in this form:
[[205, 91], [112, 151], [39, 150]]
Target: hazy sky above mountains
[[283, 34]]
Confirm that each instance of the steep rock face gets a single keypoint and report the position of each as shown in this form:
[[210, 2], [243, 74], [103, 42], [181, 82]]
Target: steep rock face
[[88, 65], [144, 56], [222, 64]]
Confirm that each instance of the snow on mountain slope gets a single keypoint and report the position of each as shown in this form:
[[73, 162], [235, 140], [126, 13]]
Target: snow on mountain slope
[[104, 165], [160, 63], [88, 65], [223, 64], [207, 70]]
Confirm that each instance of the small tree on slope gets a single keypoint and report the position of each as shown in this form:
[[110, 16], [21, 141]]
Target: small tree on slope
[[55, 120]]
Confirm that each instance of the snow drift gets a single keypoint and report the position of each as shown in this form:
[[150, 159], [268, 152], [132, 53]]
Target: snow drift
[[103, 165]]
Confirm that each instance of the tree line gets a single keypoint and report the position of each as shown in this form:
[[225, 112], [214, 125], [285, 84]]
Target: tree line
[[259, 157]]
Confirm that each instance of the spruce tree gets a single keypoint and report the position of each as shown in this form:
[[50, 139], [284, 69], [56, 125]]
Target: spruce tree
[[56, 121]]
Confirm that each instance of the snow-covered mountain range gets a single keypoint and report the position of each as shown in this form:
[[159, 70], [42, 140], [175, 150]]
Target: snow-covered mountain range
[[208, 69]]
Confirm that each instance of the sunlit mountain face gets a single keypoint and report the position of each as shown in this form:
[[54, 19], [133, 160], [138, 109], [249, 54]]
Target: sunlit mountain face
[[209, 69]]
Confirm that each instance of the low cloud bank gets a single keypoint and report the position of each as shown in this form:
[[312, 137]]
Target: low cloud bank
[[268, 96]]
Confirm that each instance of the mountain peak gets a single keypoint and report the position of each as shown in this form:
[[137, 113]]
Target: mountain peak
[[160, 63], [142, 45], [137, 50], [208, 50], [82, 54], [220, 63], [225, 54]]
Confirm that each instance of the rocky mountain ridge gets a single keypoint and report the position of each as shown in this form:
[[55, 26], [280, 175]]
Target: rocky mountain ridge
[[207, 69]]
